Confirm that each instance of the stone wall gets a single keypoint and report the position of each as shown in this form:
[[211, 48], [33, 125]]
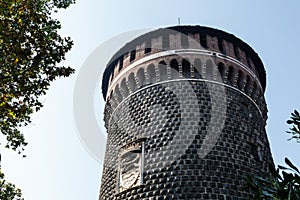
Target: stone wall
[[193, 104]]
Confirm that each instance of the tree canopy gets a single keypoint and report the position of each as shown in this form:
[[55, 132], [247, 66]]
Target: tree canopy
[[30, 51], [9, 191]]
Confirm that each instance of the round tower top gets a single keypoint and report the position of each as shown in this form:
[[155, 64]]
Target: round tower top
[[159, 40]]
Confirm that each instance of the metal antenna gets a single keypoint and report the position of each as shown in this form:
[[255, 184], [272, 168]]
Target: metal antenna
[[178, 21]]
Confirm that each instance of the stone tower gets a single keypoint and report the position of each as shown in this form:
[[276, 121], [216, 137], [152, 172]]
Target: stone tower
[[185, 115]]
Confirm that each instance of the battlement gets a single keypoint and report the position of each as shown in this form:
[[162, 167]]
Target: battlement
[[208, 41]]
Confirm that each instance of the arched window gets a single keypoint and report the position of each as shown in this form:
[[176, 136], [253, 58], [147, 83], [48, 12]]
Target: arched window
[[141, 76], [163, 73], [174, 69], [118, 94], [124, 87], [186, 68], [240, 80], [131, 82], [221, 68], [231, 74], [197, 68], [209, 70], [151, 73]]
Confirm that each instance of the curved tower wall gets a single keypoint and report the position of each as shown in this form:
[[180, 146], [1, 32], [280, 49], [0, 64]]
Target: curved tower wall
[[185, 115]]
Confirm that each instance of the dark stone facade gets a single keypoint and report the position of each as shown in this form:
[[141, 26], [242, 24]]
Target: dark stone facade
[[195, 110]]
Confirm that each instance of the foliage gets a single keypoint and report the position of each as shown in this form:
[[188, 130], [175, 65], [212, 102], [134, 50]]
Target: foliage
[[30, 52], [284, 182], [8, 191], [295, 130]]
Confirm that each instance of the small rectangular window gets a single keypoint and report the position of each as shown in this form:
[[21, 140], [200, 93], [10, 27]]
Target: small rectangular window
[[203, 41], [220, 45], [120, 63], [147, 50], [132, 55], [147, 46]]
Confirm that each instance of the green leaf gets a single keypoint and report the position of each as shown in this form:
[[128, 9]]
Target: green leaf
[[283, 168], [267, 194], [290, 164], [263, 180]]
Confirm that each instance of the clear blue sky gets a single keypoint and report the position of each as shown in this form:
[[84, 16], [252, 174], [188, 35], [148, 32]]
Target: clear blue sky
[[58, 166]]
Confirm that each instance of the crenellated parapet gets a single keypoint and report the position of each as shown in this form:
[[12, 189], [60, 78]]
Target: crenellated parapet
[[195, 40], [185, 52]]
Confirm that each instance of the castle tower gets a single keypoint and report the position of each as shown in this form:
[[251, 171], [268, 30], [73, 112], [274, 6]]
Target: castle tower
[[185, 115]]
